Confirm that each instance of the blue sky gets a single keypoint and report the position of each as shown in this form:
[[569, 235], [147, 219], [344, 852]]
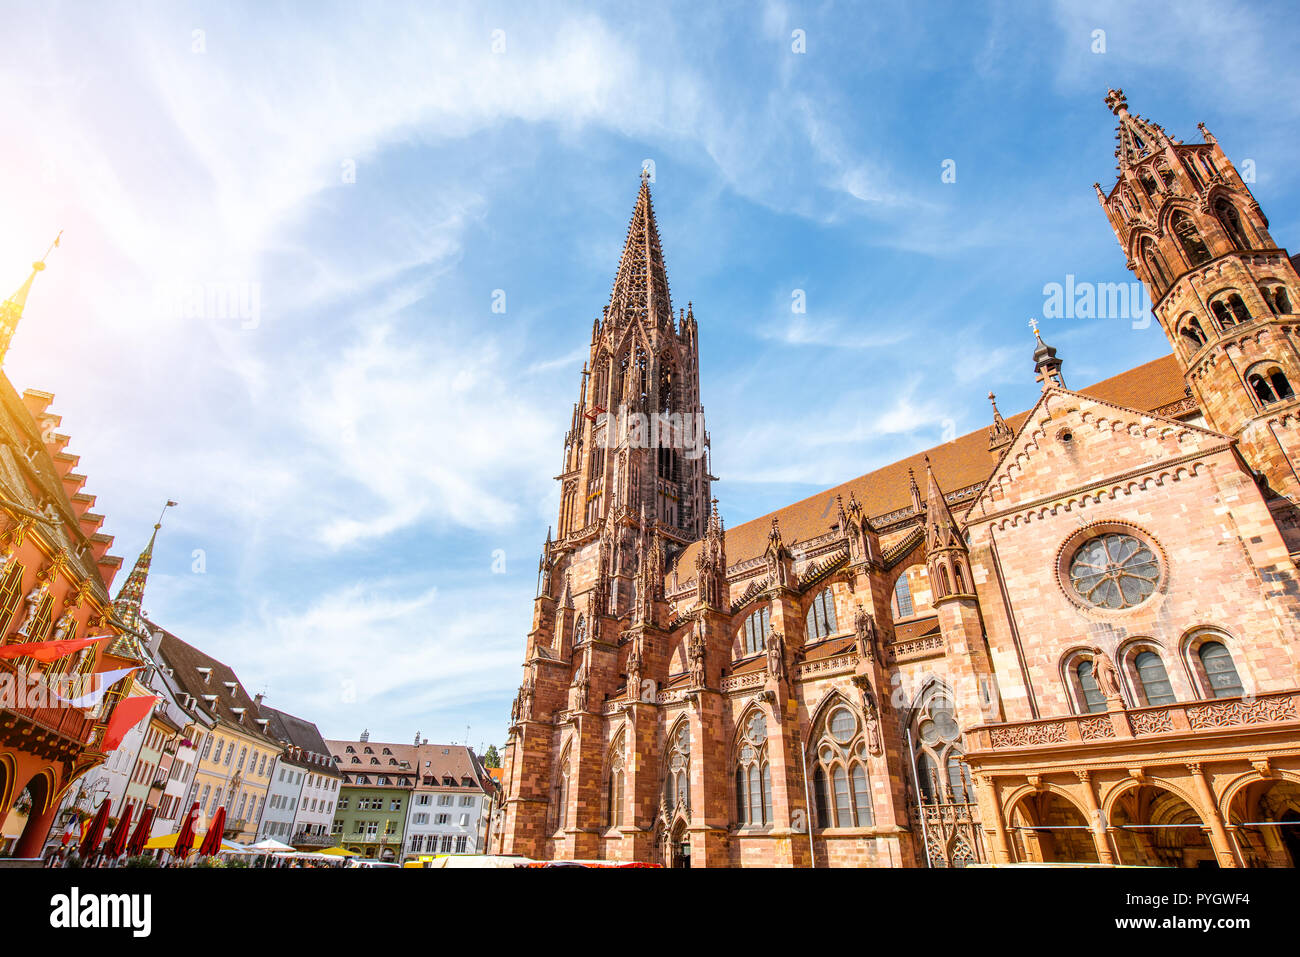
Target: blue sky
[[350, 454]]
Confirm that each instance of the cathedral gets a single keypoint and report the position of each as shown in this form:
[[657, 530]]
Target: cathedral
[[1070, 637]]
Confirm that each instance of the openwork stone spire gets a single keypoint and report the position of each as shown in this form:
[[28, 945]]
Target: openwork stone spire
[[641, 283], [1137, 138]]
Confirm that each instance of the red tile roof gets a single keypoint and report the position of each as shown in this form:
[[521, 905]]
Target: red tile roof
[[958, 464]]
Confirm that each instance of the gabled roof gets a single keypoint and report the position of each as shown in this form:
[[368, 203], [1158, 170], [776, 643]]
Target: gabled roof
[[439, 761], [959, 464], [299, 733], [222, 693]]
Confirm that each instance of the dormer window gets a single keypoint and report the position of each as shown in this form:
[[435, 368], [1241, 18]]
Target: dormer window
[[205, 673], [351, 750]]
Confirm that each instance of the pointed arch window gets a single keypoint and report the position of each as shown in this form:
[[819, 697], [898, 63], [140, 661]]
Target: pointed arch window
[[756, 629], [580, 631], [561, 793], [677, 769], [1226, 213], [617, 779], [902, 597], [941, 773], [1188, 237], [753, 774], [821, 616], [1155, 264], [841, 781]]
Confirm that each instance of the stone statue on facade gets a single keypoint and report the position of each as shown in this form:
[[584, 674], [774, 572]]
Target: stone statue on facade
[[1103, 670], [776, 656], [864, 625], [697, 650], [33, 600]]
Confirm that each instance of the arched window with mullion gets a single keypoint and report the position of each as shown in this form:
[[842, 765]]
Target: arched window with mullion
[[753, 775], [840, 777], [755, 630], [821, 621]]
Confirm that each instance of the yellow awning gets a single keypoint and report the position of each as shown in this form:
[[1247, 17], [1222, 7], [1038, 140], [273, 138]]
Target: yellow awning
[[339, 852]]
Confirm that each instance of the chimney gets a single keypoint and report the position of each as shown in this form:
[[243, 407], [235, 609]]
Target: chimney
[[365, 735], [257, 698]]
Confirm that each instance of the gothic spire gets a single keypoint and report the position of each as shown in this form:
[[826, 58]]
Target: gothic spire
[[1000, 434], [941, 528], [127, 604], [1138, 138], [11, 310], [641, 284]]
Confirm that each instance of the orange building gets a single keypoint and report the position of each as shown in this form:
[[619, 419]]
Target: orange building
[[1072, 637], [55, 572]]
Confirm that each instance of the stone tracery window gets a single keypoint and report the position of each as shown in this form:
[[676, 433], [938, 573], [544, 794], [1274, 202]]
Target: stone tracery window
[[753, 773], [561, 792], [1226, 213], [1114, 571], [821, 616], [1193, 246], [677, 769], [841, 784], [941, 773], [580, 631], [617, 778]]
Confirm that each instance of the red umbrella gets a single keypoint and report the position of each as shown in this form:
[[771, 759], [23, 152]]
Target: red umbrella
[[212, 840], [116, 845], [185, 837], [141, 835], [90, 843]]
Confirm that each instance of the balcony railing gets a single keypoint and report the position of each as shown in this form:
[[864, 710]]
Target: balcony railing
[[1185, 717], [304, 839], [66, 721]]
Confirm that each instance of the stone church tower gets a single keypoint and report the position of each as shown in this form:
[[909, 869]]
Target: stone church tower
[[1221, 288], [634, 492]]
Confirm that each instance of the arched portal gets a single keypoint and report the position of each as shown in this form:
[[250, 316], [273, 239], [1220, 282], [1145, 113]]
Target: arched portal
[[35, 802], [1156, 828], [679, 846], [1264, 818], [1047, 828]]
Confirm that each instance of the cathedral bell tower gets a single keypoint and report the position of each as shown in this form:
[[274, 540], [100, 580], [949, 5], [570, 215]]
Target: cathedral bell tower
[[634, 492], [636, 443], [1223, 291]]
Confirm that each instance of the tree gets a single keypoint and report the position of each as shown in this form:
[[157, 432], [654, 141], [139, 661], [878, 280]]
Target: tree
[[492, 759]]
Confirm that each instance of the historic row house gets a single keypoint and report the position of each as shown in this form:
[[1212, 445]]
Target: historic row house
[[55, 572], [1070, 637]]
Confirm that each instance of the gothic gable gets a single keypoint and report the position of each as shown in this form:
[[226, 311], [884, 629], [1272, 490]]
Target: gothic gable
[[1070, 441]]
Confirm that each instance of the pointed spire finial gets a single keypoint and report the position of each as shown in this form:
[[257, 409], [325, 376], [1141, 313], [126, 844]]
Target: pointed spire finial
[[11, 310]]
